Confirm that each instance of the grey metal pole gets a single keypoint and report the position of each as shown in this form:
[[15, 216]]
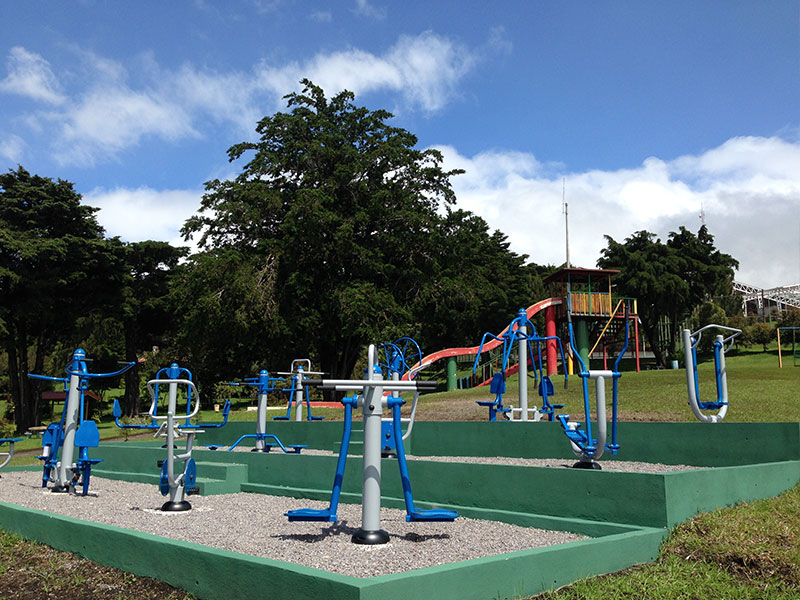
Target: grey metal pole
[[261, 422], [66, 464], [523, 365], [370, 531], [299, 394]]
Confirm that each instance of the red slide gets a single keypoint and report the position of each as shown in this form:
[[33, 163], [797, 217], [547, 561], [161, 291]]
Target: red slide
[[489, 345]]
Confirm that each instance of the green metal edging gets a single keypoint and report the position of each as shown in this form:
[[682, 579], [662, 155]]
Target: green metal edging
[[218, 574]]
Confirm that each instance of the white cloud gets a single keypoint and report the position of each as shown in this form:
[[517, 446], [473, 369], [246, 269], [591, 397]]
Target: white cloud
[[424, 69], [30, 75], [365, 9], [106, 121], [749, 190], [321, 16], [144, 213], [110, 113], [12, 148]]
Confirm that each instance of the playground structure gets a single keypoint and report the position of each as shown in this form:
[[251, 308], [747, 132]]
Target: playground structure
[[263, 384], [298, 392], [74, 434], [599, 319], [522, 331], [690, 343], [371, 400], [584, 445], [762, 463], [451, 354], [795, 346], [580, 296]]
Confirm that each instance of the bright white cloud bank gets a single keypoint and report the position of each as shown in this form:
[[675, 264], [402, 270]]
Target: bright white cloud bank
[[144, 213], [748, 189]]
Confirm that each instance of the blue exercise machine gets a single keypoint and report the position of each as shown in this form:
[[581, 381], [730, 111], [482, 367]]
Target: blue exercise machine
[[264, 384], [396, 360], [173, 483], [522, 332], [371, 400], [73, 432], [298, 392], [690, 343], [584, 445], [162, 375]]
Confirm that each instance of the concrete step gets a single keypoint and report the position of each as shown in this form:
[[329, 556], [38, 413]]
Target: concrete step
[[152, 478], [233, 472], [213, 487]]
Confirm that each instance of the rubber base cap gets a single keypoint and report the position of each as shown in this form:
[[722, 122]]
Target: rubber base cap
[[60, 489], [176, 506], [259, 450], [370, 538], [587, 465]]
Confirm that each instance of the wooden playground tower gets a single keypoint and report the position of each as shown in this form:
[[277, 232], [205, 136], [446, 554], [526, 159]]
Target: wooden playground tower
[[598, 317]]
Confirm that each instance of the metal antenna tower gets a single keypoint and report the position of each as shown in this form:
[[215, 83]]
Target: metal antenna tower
[[565, 207]]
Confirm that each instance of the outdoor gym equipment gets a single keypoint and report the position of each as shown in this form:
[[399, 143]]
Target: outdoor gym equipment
[[395, 359], [184, 483], [172, 372], [518, 331], [372, 401], [584, 445], [264, 384], [72, 432], [298, 393], [690, 342], [7, 456]]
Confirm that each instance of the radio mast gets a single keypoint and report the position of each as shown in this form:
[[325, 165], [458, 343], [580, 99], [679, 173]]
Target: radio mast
[[565, 208]]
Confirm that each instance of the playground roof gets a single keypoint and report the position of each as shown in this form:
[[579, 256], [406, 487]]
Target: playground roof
[[578, 274]]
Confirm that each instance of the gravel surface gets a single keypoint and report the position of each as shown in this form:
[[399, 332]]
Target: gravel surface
[[615, 465], [254, 524], [607, 465]]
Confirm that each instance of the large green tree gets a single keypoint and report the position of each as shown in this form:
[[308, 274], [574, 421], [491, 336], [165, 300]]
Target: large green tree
[[477, 283], [55, 267], [335, 207], [669, 279]]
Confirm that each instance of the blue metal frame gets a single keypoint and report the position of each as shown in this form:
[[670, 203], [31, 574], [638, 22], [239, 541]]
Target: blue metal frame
[[545, 384], [720, 401], [172, 372], [585, 440], [265, 384], [412, 513], [87, 436], [329, 514]]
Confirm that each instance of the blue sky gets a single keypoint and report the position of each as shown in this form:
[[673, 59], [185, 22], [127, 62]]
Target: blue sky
[[649, 110]]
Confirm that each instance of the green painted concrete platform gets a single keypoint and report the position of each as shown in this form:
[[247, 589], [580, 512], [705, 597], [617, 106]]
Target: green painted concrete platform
[[626, 514]]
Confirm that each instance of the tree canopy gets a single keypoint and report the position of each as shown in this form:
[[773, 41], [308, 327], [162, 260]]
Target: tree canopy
[[55, 266], [345, 229], [670, 280]]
